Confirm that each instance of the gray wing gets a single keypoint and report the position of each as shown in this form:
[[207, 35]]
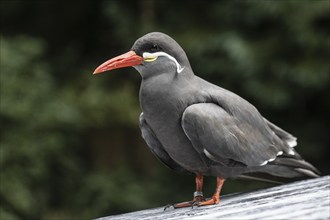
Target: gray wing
[[224, 136], [156, 147], [283, 135]]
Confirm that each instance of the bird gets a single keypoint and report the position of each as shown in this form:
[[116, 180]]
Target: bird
[[196, 127]]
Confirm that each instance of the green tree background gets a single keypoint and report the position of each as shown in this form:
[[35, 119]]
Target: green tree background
[[70, 142]]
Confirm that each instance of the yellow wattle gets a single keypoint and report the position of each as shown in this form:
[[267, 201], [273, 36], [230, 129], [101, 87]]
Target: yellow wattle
[[150, 59]]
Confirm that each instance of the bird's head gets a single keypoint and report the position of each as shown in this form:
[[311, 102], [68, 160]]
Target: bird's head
[[153, 53]]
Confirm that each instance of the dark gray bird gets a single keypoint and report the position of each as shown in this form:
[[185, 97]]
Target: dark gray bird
[[196, 127]]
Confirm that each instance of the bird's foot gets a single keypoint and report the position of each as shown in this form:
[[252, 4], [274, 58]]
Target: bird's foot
[[212, 201], [198, 200]]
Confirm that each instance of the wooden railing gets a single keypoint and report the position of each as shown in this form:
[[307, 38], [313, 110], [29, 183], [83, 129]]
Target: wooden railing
[[308, 199]]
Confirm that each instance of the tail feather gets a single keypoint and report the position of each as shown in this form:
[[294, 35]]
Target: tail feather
[[308, 173], [283, 170], [287, 167], [263, 177], [296, 163]]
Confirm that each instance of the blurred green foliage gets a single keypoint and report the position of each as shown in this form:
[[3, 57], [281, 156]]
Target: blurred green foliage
[[70, 143]]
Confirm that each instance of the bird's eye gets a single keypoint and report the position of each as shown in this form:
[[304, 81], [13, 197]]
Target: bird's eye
[[154, 47]]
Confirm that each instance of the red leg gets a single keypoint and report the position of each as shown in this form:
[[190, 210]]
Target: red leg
[[199, 199], [198, 195], [216, 196], [199, 183]]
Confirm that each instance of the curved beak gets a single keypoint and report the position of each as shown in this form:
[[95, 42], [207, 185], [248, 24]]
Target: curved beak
[[127, 59]]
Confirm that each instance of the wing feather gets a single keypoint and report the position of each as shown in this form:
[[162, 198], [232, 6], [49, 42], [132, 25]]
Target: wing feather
[[225, 137], [157, 148]]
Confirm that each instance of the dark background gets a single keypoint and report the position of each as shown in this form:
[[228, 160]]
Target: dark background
[[70, 142]]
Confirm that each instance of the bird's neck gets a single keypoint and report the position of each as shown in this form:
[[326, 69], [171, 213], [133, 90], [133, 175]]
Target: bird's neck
[[163, 90], [162, 83]]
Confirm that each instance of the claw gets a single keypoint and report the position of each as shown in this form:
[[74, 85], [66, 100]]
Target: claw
[[168, 206], [196, 201], [195, 204]]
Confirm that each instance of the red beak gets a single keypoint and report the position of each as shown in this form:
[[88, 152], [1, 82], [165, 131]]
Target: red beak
[[127, 59]]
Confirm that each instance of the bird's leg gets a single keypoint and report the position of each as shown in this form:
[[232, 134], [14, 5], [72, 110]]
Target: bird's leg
[[216, 196], [198, 195]]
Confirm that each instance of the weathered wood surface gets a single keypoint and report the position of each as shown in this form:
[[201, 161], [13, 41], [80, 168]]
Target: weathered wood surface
[[307, 199]]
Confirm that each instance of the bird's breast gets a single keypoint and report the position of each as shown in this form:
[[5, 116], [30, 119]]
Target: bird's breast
[[163, 106]]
